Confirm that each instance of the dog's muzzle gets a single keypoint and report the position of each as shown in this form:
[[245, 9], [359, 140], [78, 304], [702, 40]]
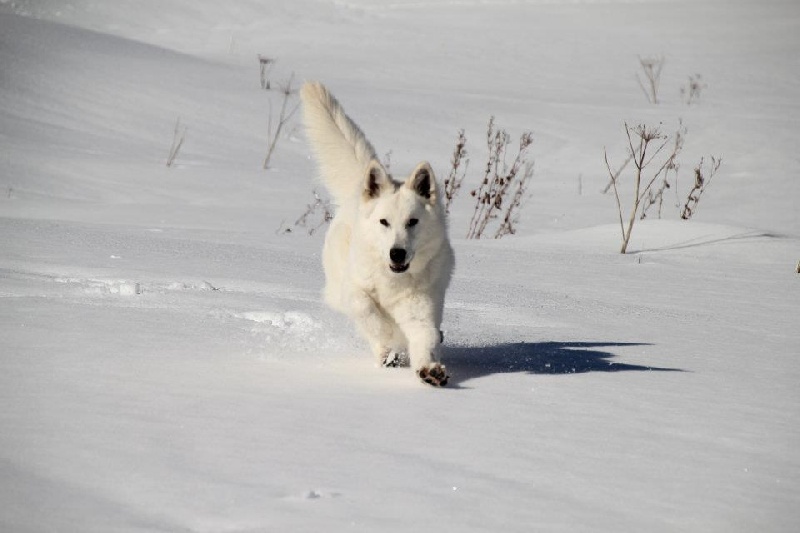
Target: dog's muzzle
[[398, 264]]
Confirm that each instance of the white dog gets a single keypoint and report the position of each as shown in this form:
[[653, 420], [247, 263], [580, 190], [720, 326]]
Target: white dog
[[387, 258]]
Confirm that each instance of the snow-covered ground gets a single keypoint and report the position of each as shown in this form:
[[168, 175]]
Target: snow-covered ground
[[166, 363]]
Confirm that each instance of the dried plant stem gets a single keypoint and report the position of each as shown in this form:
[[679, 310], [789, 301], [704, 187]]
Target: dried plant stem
[[615, 174], [321, 204], [642, 157], [616, 195], [694, 87], [387, 160], [651, 67], [700, 184], [512, 212], [265, 65], [177, 141], [285, 115], [657, 196], [452, 183]]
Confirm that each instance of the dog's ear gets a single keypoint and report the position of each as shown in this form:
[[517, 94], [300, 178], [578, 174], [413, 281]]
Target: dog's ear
[[376, 181], [423, 182]]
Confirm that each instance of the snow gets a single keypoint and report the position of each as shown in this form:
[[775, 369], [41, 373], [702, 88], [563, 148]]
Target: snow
[[166, 362]]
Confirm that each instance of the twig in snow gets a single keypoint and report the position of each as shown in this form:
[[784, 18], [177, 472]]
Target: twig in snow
[[177, 141]]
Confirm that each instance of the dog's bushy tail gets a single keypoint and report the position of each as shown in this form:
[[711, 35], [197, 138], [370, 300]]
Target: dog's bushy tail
[[342, 149]]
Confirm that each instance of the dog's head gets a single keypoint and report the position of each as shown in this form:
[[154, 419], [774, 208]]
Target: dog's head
[[403, 219]]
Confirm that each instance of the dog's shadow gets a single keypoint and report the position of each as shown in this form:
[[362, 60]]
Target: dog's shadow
[[469, 362]]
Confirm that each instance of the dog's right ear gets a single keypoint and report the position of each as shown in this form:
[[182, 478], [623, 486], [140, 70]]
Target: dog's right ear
[[376, 180]]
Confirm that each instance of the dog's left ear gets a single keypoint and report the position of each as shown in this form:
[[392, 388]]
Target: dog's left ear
[[423, 182], [376, 180]]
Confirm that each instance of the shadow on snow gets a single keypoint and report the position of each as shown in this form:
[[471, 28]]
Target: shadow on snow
[[470, 362]]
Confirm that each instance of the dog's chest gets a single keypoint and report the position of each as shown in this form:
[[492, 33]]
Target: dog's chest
[[390, 291]]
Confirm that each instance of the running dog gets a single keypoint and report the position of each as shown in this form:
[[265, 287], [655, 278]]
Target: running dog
[[387, 257]]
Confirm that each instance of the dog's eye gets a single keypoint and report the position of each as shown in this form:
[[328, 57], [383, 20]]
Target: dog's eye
[[412, 222], [384, 222]]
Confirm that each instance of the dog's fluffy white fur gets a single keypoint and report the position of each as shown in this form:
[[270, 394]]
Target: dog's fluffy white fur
[[387, 257]]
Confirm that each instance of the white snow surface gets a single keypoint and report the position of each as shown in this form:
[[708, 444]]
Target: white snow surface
[[166, 363]]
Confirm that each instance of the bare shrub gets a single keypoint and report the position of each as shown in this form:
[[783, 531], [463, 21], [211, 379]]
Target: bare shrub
[[317, 214], [701, 182], [499, 178], [651, 68], [655, 195], [644, 146], [178, 136], [452, 183], [690, 93], [288, 92]]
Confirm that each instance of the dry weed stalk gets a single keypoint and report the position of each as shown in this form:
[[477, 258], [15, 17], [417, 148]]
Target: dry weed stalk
[[320, 208], [643, 154], [511, 216], [614, 175], [651, 67], [177, 141], [452, 183], [288, 92], [265, 64], [498, 179], [387, 160], [700, 184], [656, 195]]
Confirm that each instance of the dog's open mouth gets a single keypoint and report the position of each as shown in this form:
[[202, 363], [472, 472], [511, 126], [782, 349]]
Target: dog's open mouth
[[399, 269]]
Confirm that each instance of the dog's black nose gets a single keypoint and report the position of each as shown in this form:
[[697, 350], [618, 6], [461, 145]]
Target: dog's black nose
[[397, 255]]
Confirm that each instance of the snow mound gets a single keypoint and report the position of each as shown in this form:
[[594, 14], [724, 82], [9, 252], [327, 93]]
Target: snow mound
[[294, 322]]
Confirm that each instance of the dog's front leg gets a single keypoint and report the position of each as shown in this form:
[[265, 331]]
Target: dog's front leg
[[373, 324], [418, 323]]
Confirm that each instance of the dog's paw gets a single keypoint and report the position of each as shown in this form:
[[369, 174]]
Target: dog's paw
[[435, 374], [393, 359]]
